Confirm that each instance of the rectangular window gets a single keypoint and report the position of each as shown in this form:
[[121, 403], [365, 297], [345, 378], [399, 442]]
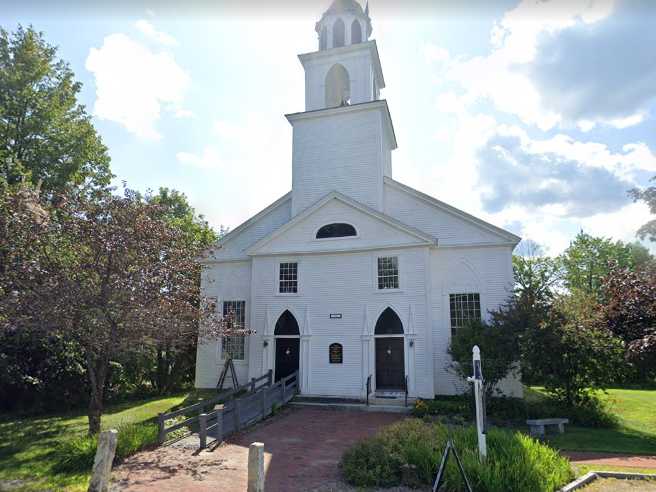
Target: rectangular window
[[288, 278], [464, 308], [234, 345], [388, 272]]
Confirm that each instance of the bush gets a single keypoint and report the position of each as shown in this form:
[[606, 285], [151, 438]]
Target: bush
[[77, 454], [409, 452], [588, 412]]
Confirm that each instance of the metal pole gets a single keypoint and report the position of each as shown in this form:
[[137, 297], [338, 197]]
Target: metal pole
[[477, 380]]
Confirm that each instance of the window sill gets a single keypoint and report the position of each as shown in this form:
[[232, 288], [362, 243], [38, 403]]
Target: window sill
[[388, 291], [236, 362], [287, 294]]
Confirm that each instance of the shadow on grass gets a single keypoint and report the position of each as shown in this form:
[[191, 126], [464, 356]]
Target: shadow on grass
[[617, 440]]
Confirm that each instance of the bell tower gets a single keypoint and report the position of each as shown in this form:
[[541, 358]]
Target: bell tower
[[344, 138]]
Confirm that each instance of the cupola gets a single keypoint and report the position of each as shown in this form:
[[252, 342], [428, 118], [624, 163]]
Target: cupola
[[343, 24]]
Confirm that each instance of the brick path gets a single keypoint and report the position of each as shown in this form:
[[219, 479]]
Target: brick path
[[302, 451], [611, 459]]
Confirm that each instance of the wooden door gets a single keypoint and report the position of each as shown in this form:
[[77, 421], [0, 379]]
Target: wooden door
[[390, 363], [287, 356]]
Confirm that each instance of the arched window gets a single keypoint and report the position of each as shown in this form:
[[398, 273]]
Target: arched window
[[337, 229], [286, 325], [389, 323], [323, 38], [338, 87], [356, 32], [338, 33]]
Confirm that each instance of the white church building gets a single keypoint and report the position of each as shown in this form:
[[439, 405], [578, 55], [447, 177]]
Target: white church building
[[352, 275]]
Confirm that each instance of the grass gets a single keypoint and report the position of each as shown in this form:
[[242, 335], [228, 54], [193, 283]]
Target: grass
[[635, 434], [29, 445]]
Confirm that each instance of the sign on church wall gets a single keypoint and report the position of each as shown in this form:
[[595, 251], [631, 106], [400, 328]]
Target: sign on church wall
[[335, 353]]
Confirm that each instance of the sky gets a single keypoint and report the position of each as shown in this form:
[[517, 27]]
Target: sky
[[537, 116]]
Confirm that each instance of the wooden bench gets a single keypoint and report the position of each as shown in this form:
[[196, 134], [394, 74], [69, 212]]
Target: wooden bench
[[536, 426]]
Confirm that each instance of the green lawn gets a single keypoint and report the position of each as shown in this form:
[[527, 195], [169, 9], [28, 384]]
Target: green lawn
[[28, 445], [636, 433]]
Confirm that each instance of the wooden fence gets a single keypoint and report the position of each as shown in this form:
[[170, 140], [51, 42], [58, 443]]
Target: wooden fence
[[193, 412], [238, 413]]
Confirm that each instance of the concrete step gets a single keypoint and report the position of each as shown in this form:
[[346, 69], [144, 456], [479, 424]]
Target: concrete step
[[337, 404]]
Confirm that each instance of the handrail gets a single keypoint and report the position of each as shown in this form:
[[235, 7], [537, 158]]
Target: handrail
[[406, 391], [368, 388], [200, 407]]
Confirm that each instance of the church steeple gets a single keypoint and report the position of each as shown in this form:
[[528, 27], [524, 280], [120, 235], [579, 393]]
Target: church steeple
[[343, 140], [343, 24], [346, 68]]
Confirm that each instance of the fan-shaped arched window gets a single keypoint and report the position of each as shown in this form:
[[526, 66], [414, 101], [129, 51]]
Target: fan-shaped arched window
[[338, 86], [338, 33], [389, 323], [286, 325], [356, 32], [337, 229]]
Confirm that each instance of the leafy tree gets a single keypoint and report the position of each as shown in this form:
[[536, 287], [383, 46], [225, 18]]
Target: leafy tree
[[499, 349], [647, 195], [571, 352], [45, 135], [107, 271], [641, 256], [630, 313], [588, 260], [536, 275]]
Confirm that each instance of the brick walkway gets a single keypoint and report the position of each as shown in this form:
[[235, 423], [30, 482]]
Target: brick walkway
[[302, 451], [610, 459]]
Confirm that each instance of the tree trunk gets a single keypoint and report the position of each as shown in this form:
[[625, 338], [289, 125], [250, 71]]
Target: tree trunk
[[97, 368]]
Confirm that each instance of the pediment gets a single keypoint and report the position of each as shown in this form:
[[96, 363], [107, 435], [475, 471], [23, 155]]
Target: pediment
[[373, 230]]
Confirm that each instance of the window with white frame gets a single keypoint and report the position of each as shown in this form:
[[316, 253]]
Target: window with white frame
[[388, 272], [464, 308], [288, 278], [234, 345]]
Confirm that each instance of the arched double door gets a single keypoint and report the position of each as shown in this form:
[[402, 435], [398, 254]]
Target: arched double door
[[287, 336], [390, 356]]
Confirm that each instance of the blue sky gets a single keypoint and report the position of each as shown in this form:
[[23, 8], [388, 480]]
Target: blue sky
[[536, 116]]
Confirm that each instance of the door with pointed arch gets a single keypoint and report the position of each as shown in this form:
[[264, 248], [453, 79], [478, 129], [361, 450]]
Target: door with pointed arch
[[390, 356], [287, 337]]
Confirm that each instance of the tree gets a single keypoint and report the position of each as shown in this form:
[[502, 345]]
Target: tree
[[630, 313], [647, 195], [499, 348], [571, 352], [536, 275], [175, 357], [588, 260], [45, 135], [108, 271]]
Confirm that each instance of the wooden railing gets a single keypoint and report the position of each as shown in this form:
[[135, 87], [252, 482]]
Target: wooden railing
[[405, 389], [368, 388], [240, 412], [193, 412]]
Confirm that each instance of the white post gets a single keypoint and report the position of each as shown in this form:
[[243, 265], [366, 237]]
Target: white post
[[256, 467], [102, 464], [477, 379]]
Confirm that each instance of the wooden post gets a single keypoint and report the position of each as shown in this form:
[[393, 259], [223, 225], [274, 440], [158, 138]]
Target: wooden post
[[252, 385], [202, 430], [219, 422], [270, 377], [263, 402], [162, 431], [256, 467], [102, 463], [284, 389], [237, 415]]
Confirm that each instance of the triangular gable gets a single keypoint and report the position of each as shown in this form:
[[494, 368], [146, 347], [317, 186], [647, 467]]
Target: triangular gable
[[453, 226], [233, 245], [374, 230]]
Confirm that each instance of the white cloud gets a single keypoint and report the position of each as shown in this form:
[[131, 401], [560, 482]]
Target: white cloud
[[563, 62], [207, 159], [435, 53], [134, 85], [149, 31]]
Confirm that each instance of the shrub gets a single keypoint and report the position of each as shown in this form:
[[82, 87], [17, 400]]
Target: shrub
[[515, 461], [77, 454]]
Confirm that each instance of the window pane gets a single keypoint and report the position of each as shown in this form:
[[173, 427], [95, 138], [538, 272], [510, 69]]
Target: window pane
[[388, 272], [464, 308], [234, 345], [288, 278]]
